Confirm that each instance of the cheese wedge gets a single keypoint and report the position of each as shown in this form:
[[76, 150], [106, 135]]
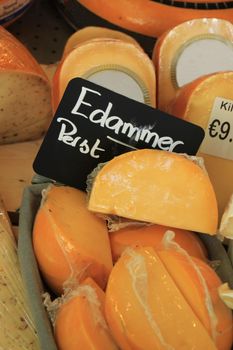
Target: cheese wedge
[[188, 51], [92, 32], [158, 187], [146, 309], [80, 321], [16, 171], [226, 224], [17, 328], [70, 243], [213, 112], [25, 93], [152, 18], [152, 235], [115, 64]]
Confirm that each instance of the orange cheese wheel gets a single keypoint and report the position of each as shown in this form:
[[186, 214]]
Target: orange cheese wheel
[[25, 93], [91, 33], [188, 51], [158, 187], [70, 243], [80, 322], [193, 104], [152, 235], [111, 63], [152, 18], [150, 306]]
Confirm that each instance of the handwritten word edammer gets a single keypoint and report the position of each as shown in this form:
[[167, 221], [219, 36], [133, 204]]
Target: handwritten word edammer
[[111, 122]]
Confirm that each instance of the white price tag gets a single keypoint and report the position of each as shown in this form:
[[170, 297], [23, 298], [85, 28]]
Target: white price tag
[[218, 139]]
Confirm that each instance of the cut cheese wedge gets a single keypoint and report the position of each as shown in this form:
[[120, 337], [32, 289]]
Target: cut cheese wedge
[[208, 102], [80, 322], [16, 171], [188, 51], [115, 64], [90, 33], [70, 243], [25, 93], [158, 187], [152, 18], [146, 309], [17, 328], [152, 235]]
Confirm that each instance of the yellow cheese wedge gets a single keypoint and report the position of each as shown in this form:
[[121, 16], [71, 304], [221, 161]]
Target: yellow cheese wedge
[[70, 243], [25, 93], [145, 309], [152, 235], [92, 32], [188, 51], [17, 328], [158, 187], [80, 322], [115, 64], [213, 112], [16, 171]]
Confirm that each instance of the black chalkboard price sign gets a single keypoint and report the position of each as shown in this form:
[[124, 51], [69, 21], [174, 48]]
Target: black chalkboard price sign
[[93, 124]]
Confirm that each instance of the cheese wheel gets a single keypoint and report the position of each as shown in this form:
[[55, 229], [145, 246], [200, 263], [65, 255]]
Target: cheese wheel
[[188, 51], [70, 243], [150, 306], [158, 187], [213, 112], [92, 32], [16, 171], [80, 321], [153, 18], [115, 64], [152, 235], [25, 94]]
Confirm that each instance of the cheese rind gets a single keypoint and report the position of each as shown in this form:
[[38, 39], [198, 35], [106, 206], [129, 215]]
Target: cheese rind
[[70, 243], [151, 18], [146, 310], [173, 45], [92, 33], [106, 55], [152, 235], [158, 187], [193, 104], [80, 322]]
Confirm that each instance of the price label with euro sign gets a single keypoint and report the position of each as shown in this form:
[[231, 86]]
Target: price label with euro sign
[[218, 139]]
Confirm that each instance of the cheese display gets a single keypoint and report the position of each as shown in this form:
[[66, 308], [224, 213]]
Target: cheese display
[[25, 93], [112, 63], [174, 303], [207, 102], [16, 171], [188, 51], [80, 321], [153, 18], [70, 243], [157, 187], [152, 236], [92, 32], [17, 327]]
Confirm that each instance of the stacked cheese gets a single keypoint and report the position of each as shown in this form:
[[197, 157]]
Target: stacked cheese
[[194, 66], [160, 291], [108, 58]]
